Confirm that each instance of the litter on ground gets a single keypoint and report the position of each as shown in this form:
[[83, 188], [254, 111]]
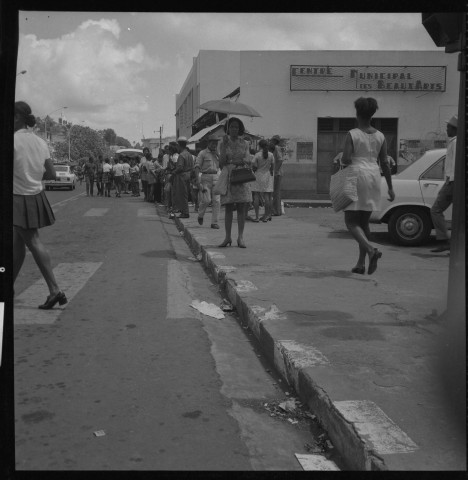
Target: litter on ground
[[209, 309], [99, 433]]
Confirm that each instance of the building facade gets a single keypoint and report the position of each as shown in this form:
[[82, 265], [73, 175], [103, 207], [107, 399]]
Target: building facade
[[307, 97]]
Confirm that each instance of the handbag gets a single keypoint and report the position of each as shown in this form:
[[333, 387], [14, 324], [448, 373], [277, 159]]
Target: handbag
[[343, 188], [242, 175]]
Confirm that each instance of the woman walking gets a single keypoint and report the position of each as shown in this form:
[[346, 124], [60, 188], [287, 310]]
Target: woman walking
[[363, 146], [234, 151], [263, 165], [90, 173], [31, 209], [106, 177]]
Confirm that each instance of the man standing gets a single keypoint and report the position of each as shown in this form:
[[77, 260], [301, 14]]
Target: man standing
[[278, 174], [445, 196], [182, 177], [144, 171], [118, 176], [207, 164], [90, 173], [99, 171]]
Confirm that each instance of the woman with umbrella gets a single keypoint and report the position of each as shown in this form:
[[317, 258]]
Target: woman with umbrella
[[234, 151]]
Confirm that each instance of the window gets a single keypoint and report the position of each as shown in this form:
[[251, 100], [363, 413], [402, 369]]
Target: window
[[436, 172], [305, 151], [413, 143], [346, 124], [325, 124], [440, 143]]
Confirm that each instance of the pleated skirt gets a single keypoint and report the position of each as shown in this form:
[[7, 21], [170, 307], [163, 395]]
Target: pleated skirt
[[32, 211]]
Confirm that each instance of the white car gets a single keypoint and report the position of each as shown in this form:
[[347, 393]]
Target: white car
[[65, 178], [409, 216]]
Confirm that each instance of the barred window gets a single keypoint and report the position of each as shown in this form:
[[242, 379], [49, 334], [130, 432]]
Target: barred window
[[440, 143], [305, 150], [388, 124], [413, 143], [346, 124]]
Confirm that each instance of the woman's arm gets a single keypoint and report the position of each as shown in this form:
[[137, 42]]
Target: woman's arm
[[347, 150], [386, 170], [223, 160], [49, 173], [247, 160]]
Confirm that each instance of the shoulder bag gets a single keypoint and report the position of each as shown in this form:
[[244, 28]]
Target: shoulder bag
[[242, 175], [343, 188]]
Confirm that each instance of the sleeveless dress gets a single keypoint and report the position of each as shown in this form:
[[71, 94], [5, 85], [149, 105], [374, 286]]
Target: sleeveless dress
[[264, 180], [366, 148], [236, 150]]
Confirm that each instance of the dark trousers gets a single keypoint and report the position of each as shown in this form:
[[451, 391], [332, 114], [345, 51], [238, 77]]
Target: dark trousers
[[276, 207], [181, 193], [443, 201], [158, 188]]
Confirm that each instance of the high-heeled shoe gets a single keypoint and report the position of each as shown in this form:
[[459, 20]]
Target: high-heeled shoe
[[240, 243], [373, 261], [360, 270], [52, 300], [225, 243]]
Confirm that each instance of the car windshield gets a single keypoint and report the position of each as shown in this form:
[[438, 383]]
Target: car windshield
[[61, 168]]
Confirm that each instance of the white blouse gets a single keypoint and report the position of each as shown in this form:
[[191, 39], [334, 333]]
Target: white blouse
[[30, 153]]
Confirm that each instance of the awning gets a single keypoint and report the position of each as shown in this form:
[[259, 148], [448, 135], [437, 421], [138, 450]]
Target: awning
[[205, 131]]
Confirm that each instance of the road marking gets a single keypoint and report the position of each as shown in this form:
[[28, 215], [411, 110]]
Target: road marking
[[63, 202], [291, 357], [71, 278], [315, 462], [179, 296], [375, 427], [96, 212], [147, 212]]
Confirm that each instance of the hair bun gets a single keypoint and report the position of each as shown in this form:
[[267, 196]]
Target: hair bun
[[30, 120]]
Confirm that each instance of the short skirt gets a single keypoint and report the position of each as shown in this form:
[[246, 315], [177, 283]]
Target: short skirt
[[106, 177], [32, 211]]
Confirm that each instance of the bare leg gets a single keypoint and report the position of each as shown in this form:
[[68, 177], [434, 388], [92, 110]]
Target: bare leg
[[228, 221], [267, 200], [353, 223], [241, 207], [41, 257], [256, 201], [19, 253]]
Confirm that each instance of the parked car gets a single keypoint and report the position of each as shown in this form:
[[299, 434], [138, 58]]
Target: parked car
[[65, 178], [408, 217], [129, 152]]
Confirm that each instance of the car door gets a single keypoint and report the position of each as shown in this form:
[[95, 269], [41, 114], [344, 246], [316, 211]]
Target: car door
[[431, 182]]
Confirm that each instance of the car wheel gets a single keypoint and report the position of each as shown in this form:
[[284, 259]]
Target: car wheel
[[410, 226]]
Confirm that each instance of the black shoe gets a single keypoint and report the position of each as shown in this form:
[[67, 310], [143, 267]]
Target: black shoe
[[51, 301], [443, 247], [215, 225], [200, 220], [184, 215], [360, 270], [373, 261]]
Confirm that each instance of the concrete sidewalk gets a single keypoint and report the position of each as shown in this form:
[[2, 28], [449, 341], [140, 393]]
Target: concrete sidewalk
[[361, 350]]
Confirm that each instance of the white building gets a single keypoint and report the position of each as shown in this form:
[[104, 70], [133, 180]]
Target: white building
[[307, 97]]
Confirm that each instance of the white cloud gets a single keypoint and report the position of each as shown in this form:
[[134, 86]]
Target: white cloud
[[87, 70]]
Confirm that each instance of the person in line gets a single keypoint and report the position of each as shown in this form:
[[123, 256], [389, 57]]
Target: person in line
[[134, 176], [206, 173], [445, 196], [159, 186], [263, 166], [31, 209], [144, 172], [118, 176], [182, 177], [99, 171], [150, 178], [234, 151], [169, 180], [363, 147], [90, 173], [106, 177], [126, 173], [278, 175]]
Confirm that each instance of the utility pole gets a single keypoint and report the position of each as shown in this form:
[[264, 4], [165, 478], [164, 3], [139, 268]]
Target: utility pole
[[160, 136]]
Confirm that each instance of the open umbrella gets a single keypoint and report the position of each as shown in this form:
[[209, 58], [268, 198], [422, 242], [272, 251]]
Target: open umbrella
[[227, 106]]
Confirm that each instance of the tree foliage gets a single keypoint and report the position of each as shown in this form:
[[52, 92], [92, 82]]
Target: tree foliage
[[122, 142], [84, 142]]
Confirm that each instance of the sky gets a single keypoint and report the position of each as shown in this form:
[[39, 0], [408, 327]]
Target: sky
[[122, 70]]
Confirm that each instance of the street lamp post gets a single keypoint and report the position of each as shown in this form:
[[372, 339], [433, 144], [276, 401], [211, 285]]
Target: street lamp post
[[45, 124]]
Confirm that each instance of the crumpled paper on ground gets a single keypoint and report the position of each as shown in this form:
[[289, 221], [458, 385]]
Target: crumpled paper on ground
[[209, 309]]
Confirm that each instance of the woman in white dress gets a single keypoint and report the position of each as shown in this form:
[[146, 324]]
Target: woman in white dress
[[263, 164], [363, 146]]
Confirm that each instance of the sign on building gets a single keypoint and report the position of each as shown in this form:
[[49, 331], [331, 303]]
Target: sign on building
[[367, 78]]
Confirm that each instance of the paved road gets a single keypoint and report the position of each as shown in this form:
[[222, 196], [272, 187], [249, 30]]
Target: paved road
[[171, 389]]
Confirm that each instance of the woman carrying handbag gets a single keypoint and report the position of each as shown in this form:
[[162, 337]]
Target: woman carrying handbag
[[234, 152], [363, 146]]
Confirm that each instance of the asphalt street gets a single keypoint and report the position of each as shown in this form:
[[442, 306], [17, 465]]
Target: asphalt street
[[127, 375]]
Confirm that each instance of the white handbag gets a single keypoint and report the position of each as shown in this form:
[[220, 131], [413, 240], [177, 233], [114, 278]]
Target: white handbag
[[343, 187]]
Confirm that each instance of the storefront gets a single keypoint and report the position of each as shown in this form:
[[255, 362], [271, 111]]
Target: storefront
[[307, 97]]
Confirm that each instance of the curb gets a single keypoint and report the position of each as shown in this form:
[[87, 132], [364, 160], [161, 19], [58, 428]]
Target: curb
[[343, 434]]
